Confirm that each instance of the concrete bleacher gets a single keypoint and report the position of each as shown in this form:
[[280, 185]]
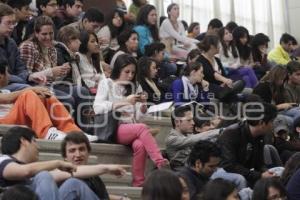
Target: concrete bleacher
[[108, 154]]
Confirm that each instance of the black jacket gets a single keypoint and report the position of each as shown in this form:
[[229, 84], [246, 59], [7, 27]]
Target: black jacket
[[241, 153]]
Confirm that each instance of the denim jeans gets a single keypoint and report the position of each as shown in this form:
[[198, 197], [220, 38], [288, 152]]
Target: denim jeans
[[237, 179], [45, 187]]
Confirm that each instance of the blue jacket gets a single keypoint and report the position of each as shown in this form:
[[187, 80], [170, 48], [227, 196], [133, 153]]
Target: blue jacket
[[17, 69], [177, 91], [145, 37]]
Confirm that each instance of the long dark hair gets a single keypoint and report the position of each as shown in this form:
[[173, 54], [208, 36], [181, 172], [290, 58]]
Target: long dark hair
[[142, 19], [124, 37], [84, 39], [207, 42], [123, 61], [143, 65], [272, 77], [261, 188], [115, 31], [257, 40], [224, 45], [161, 185], [244, 49]]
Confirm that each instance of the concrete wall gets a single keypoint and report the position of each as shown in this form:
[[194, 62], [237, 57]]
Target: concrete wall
[[293, 8]]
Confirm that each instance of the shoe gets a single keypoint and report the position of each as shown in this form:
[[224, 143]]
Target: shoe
[[92, 138], [54, 134]]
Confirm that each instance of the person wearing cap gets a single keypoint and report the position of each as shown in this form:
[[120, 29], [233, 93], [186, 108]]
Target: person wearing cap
[[285, 146]]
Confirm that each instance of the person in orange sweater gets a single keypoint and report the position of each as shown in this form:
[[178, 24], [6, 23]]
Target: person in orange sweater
[[36, 108]]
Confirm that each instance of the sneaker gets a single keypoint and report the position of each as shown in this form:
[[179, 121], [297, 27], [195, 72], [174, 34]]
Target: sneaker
[[92, 138], [54, 134]]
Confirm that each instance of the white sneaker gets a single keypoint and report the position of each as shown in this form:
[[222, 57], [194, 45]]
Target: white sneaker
[[55, 134], [92, 138]]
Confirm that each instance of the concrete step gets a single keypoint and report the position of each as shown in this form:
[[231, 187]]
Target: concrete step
[[104, 153], [133, 193], [111, 180]]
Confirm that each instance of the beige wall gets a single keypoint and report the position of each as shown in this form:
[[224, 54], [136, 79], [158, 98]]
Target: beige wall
[[293, 7]]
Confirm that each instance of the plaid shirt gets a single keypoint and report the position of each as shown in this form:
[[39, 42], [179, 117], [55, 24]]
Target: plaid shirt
[[33, 57]]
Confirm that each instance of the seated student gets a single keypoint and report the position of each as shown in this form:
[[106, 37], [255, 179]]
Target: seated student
[[128, 41], [222, 190], [90, 67], [290, 168], [259, 51], [202, 162], [23, 14], [69, 11], [242, 144], [231, 26], [173, 29], [292, 83], [181, 138], [40, 55], [19, 166], [156, 51], [280, 55], [162, 184], [269, 188], [191, 86], [45, 8], [223, 88], [213, 28], [37, 108], [284, 144], [194, 30], [147, 77], [19, 76], [146, 27], [231, 60], [108, 34], [76, 148], [91, 21], [120, 93]]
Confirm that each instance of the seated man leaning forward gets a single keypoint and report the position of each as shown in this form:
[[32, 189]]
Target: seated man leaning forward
[[19, 165], [36, 108], [75, 148]]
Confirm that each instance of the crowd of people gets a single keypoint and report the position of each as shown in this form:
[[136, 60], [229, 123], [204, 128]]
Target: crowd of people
[[236, 117]]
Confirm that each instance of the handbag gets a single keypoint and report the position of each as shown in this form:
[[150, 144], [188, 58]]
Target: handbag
[[106, 126]]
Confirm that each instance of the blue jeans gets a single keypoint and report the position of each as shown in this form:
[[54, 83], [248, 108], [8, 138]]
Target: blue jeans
[[45, 187], [237, 179], [15, 87]]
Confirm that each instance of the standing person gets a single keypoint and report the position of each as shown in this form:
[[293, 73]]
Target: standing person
[[174, 29], [146, 27], [242, 144], [121, 93], [230, 59]]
